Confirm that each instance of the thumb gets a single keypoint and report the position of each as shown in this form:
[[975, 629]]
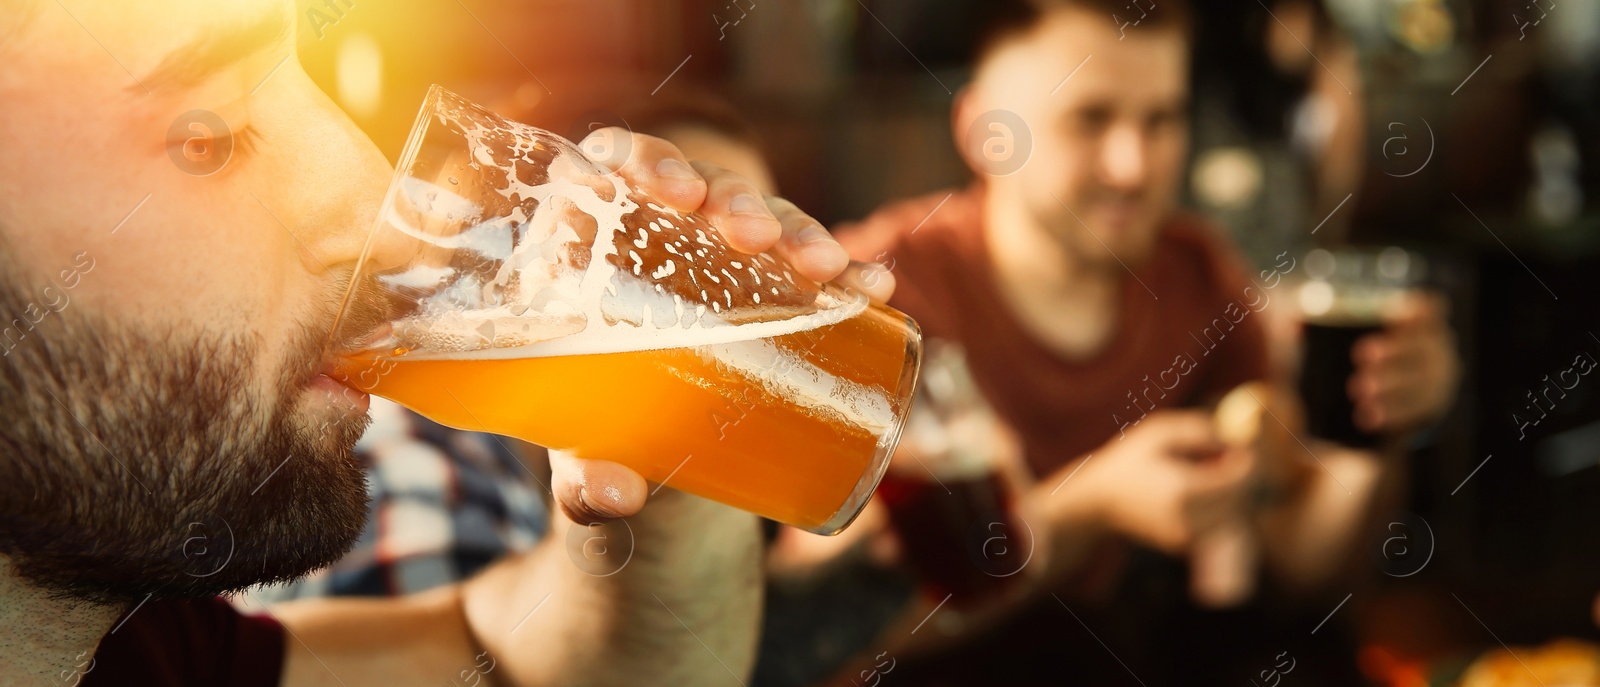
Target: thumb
[[592, 491], [1191, 433]]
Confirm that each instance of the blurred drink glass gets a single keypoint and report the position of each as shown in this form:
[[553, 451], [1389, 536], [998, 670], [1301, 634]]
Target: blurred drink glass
[[1344, 296], [947, 496]]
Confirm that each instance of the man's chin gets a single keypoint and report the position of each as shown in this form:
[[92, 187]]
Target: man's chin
[[332, 417]]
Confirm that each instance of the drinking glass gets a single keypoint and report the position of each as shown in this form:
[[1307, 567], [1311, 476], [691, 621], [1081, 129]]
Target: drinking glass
[[1345, 296], [510, 285], [947, 496]]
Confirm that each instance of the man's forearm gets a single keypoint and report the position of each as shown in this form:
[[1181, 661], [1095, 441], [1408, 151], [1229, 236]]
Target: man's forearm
[[671, 596], [1065, 533], [1310, 540]]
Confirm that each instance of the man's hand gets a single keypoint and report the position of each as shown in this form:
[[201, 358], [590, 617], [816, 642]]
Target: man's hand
[[1166, 482], [1406, 376]]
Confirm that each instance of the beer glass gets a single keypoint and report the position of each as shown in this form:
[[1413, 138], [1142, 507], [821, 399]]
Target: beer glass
[[948, 501], [1344, 296], [510, 285]]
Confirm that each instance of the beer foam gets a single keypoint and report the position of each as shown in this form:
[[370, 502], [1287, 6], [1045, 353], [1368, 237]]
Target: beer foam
[[1324, 303], [806, 385], [560, 257]]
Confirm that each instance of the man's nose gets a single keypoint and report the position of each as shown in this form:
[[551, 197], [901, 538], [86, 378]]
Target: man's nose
[[342, 204], [1123, 163]]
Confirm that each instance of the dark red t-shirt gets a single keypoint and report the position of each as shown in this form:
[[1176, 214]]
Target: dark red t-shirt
[[1196, 337], [1189, 337], [191, 642]]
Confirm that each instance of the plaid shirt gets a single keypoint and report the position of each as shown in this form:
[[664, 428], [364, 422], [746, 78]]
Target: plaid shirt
[[445, 504]]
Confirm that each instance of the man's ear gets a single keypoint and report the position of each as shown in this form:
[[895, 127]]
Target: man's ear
[[962, 114]]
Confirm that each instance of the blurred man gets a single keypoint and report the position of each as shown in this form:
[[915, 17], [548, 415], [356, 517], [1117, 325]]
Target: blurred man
[[173, 431], [1095, 316]]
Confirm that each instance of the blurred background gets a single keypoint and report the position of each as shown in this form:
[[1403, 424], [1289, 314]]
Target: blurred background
[[1478, 149]]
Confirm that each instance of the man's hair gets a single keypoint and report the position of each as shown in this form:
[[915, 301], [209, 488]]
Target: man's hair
[[1003, 20]]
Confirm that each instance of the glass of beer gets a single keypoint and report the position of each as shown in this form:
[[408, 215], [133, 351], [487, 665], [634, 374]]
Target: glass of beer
[[947, 498], [512, 286], [1345, 296]]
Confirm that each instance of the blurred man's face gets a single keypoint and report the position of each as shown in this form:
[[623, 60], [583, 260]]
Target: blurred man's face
[[167, 429], [1108, 143]]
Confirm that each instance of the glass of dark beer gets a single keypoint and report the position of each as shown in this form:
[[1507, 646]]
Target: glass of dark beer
[[946, 493], [1345, 296]]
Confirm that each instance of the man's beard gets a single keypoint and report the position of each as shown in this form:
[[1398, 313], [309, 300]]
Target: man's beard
[[136, 464]]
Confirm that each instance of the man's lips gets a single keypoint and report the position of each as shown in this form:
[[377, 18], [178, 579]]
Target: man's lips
[[338, 385], [1118, 210]]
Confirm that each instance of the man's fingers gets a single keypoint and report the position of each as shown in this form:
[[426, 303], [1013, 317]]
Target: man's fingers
[[1407, 347], [592, 491], [1390, 403], [1222, 479], [1402, 376], [1418, 309], [738, 210], [1372, 349], [1398, 373], [1189, 432], [746, 219], [652, 164], [871, 278], [805, 245], [609, 147]]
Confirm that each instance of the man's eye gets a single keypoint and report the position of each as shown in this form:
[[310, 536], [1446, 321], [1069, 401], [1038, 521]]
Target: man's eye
[[245, 140], [242, 141], [1162, 120], [1091, 121], [203, 151]]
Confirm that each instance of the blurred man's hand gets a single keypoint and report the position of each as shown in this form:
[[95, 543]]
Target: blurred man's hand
[[1165, 483], [1407, 375]]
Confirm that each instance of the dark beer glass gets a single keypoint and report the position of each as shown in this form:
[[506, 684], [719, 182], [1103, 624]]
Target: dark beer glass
[[947, 498], [1345, 296]]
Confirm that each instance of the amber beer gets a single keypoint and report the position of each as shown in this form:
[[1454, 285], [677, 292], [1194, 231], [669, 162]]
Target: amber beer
[[691, 418]]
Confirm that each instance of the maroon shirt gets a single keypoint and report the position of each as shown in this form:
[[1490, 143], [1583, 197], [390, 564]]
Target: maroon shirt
[[1195, 339], [191, 642]]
